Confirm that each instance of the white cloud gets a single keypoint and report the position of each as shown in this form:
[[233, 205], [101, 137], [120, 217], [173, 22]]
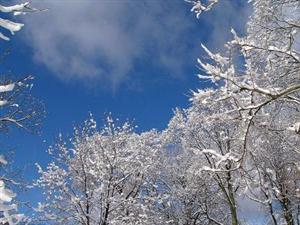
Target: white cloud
[[103, 41]]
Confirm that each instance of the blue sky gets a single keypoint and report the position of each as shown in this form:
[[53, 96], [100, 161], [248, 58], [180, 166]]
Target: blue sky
[[136, 59]]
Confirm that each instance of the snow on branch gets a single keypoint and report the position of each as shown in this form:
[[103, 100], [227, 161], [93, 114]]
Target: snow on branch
[[199, 6], [7, 87], [17, 9]]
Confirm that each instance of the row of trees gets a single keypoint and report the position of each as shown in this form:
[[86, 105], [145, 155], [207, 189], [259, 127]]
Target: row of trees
[[239, 139]]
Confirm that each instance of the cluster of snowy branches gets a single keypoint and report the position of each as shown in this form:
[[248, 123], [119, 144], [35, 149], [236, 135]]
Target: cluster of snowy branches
[[101, 176], [16, 10], [238, 140], [17, 109], [245, 128]]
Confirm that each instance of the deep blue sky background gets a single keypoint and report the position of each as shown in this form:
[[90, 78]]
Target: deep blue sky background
[[142, 82]]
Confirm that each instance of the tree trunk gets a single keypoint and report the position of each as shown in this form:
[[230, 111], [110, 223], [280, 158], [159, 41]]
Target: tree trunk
[[234, 217], [287, 213]]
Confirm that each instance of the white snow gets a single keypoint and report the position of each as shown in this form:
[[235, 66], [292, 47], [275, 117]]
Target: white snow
[[3, 103], [11, 26], [6, 195], [7, 87], [198, 7], [2, 36], [219, 157], [14, 8], [2, 160]]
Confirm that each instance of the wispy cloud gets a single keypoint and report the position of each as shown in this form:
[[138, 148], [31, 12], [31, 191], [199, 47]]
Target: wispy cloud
[[104, 41]]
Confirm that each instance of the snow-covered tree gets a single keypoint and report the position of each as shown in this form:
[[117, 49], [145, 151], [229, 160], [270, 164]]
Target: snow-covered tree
[[17, 108], [100, 176], [188, 195], [215, 154], [270, 76], [239, 137], [275, 179], [7, 208], [250, 113]]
